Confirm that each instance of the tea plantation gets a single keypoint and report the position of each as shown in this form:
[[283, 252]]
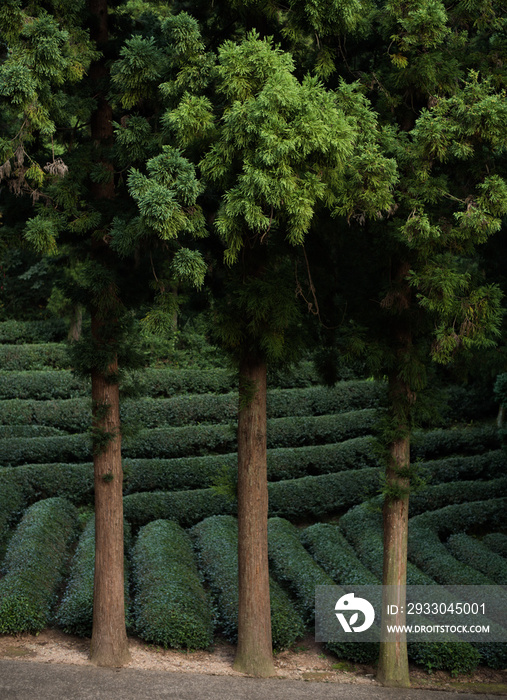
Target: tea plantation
[[181, 533]]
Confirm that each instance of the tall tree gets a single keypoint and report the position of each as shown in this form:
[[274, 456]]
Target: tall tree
[[276, 149]]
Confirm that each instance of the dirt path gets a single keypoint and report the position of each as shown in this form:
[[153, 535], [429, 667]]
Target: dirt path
[[307, 660]]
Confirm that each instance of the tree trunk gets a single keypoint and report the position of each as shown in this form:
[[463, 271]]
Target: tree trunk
[[76, 323], [254, 653], [109, 646], [393, 661]]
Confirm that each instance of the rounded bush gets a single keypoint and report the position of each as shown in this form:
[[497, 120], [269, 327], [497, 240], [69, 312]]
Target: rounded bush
[[34, 565], [171, 607]]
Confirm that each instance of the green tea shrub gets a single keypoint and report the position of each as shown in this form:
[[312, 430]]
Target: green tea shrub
[[216, 544], [471, 551], [171, 607], [75, 613], [33, 356], [34, 565]]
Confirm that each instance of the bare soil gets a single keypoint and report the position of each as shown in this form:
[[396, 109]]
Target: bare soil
[[307, 660]]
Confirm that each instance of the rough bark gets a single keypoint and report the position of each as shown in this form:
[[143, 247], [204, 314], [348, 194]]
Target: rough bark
[[254, 652], [393, 661], [109, 645], [76, 323]]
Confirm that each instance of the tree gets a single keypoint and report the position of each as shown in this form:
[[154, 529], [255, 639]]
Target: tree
[[422, 296], [48, 53]]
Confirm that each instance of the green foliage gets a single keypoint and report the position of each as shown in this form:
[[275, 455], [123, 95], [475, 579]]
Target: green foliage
[[34, 566], [185, 507], [454, 492], [33, 357], [19, 332], [154, 382], [457, 440], [74, 415], [40, 481], [331, 550], [216, 543], [323, 495], [497, 542], [426, 550], [75, 612], [472, 552], [294, 567], [171, 607]]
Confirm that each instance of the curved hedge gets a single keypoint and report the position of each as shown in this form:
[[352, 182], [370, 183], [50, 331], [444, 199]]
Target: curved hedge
[[34, 565], [295, 568], [190, 440], [459, 440], [482, 466], [75, 613], [216, 543], [497, 542], [8, 432], [74, 415], [283, 463], [335, 555], [185, 507], [454, 492], [42, 385], [362, 527], [317, 496], [45, 331], [171, 607], [470, 551], [332, 551], [34, 356], [38, 481], [309, 496], [11, 506]]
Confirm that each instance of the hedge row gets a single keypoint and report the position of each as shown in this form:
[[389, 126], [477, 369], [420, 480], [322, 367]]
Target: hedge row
[[34, 566], [38, 481], [8, 432], [171, 607], [185, 507], [38, 356], [11, 506], [216, 544], [458, 440], [191, 440], [311, 496], [427, 551], [318, 496], [481, 466], [65, 448], [36, 383], [74, 415], [497, 542], [335, 555], [332, 551], [75, 481], [52, 330], [440, 495], [471, 551], [283, 463], [42, 385], [75, 613], [362, 527], [294, 568]]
